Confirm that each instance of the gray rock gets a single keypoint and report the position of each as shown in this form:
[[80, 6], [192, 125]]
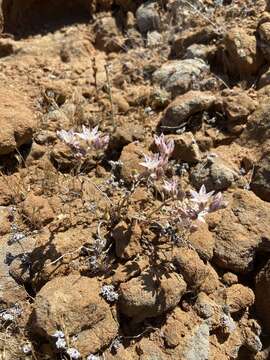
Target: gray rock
[[147, 17], [198, 347], [184, 106], [260, 183], [214, 173], [178, 76]]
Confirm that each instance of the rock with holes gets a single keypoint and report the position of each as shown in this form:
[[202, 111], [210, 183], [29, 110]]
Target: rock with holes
[[180, 111], [241, 231], [147, 17], [151, 294], [178, 76], [17, 120], [73, 304]]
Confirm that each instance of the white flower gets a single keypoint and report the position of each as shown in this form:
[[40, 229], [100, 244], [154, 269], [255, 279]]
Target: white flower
[[59, 334], [7, 316], [73, 353], [109, 294], [88, 135], [61, 343], [201, 197], [69, 137], [27, 348], [92, 357]]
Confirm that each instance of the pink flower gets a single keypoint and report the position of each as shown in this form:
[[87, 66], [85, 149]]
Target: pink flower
[[171, 187], [165, 146], [217, 203], [201, 197], [92, 137], [155, 164]]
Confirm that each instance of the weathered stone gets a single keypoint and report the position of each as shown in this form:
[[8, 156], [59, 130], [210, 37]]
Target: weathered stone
[[239, 297], [73, 304], [260, 182], [185, 148], [243, 57], [17, 121], [241, 230], [215, 173], [127, 240], [184, 106], [147, 17], [178, 76], [150, 294]]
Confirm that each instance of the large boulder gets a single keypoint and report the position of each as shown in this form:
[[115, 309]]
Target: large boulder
[[17, 120], [73, 302]]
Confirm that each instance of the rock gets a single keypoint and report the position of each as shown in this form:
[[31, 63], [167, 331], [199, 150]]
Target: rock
[[202, 240], [197, 275], [7, 46], [262, 295], [17, 120], [184, 106], [264, 36], [147, 17], [127, 240], [215, 173], [237, 106], [130, 157], [260, 182], [192, 37], [198, 346], [121, 103], [185, 148], [154, 39], [243, 59], [159, 98], [108, 37], [239, 297], [264, 80], [151, 294], [200, 51], [230, 278], [148, 349], [37, 210], [178, 76], [240, 231], [76, 301], [258, 125], [59, 255], [186, 335], [125, 135]]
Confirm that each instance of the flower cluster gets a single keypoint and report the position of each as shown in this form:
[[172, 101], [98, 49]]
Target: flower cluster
[[61, 345], [156, 164], [108, 293], [197, 207], [11, 314], [91, 137]]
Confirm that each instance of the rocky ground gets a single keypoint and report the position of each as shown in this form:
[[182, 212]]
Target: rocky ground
[[95, 262]]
